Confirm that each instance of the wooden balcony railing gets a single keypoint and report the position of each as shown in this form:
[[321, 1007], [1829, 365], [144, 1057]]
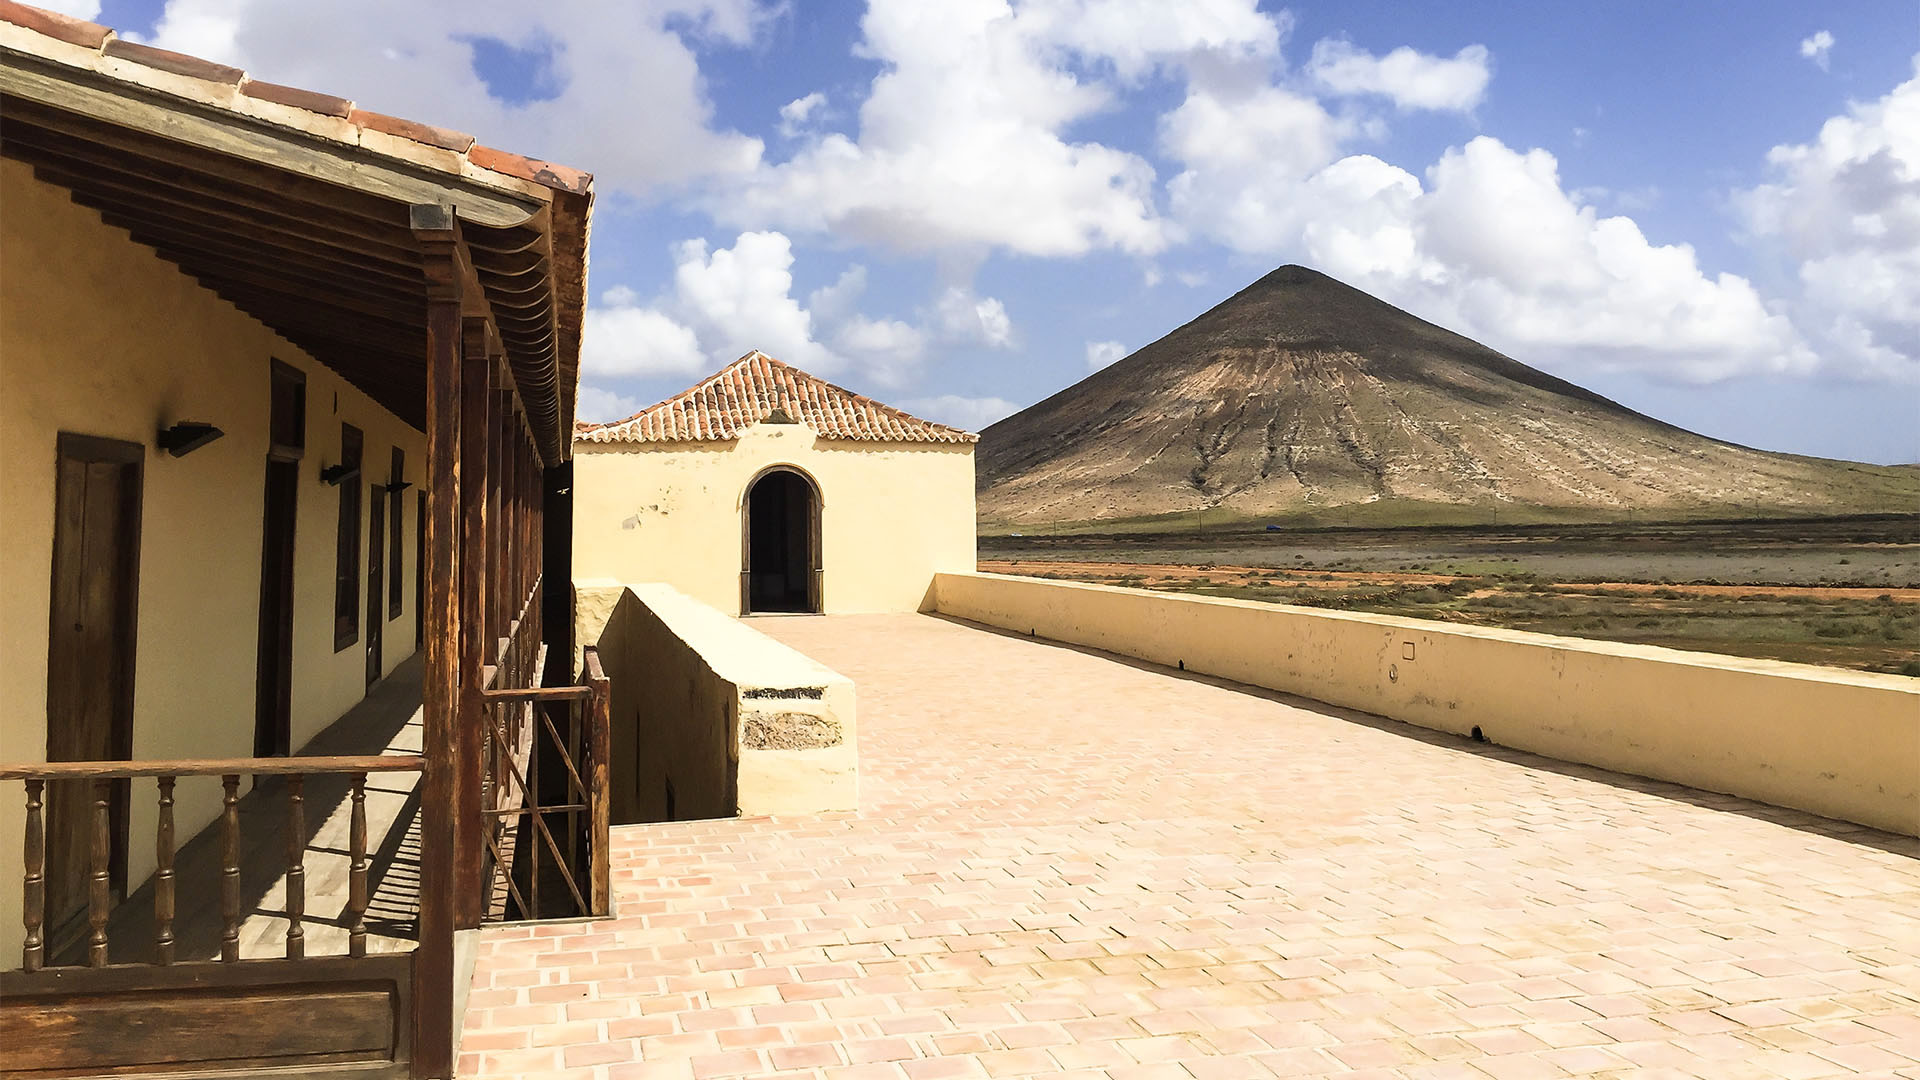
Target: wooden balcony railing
[[103, 775], [115, 1012], [522, 738]]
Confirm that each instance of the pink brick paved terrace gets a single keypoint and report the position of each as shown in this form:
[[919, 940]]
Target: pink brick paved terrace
[[1068, 865]]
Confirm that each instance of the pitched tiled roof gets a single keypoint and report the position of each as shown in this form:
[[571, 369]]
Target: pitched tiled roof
[[748, 391], [78, 43]]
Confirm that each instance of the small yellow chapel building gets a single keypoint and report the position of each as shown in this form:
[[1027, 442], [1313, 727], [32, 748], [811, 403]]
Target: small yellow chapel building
[[764, 489]]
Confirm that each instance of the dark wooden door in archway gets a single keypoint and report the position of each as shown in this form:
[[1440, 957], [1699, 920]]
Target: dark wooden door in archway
[[781, 569]]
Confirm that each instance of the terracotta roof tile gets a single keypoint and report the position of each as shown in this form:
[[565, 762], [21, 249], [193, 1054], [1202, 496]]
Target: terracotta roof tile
[[324, 104], [456, 141], [178, 63], [55, 25], [526, 168], [748, 390], [327, 110]]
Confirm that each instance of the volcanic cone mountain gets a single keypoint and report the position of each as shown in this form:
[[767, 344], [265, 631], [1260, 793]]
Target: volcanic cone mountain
[[1300, 394]]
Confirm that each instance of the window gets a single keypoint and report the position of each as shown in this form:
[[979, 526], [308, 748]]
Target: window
[[346, 572], [396, 564], [287, 412]]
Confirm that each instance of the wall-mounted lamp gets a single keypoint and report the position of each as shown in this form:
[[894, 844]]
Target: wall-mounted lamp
[[186, 436], [399, 485], [336, 474]]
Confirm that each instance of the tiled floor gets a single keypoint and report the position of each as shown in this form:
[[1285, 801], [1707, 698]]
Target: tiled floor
[[1069, 865]]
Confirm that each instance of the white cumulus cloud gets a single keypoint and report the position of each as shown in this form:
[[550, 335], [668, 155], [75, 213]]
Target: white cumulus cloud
[[79, 9], [724, 302], [969, 319], [1489, 242], [1817, 48], [624, 338], [888, 350], [1410, 79], [627, 101], [963, 140], [1843, 213], [969, 413], [740, 299], [598, 405], [1102, 353], [795, 114]]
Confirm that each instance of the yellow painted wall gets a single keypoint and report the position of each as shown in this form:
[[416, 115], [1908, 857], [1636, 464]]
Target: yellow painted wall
[[1838, 743], [99, 336], [892, 515]]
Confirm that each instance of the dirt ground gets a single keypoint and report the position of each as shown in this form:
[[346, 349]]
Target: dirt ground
[[1340, 579], [1842, 593], [1881, 552]]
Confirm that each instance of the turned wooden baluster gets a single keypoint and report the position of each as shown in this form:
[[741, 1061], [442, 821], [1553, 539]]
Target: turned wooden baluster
[[357, 870], [99, 892], [34, 902], [230, 870], [296, 867], [163, 877]]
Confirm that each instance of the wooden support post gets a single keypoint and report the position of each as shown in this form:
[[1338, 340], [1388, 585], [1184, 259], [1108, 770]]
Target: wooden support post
[[230, 869], [438, 232], [100, 884], [469, 846], [357, 869], [500, 506], [33, 948], [163, 877], [599, 710], [296, 866]]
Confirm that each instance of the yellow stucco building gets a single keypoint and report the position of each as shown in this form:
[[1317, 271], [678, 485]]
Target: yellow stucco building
[[765, 489]]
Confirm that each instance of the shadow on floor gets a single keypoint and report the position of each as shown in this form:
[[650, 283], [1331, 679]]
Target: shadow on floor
[[1800, 820], [386, 721]]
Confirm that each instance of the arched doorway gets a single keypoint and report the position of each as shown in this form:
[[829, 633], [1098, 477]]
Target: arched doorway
[[780, 543]]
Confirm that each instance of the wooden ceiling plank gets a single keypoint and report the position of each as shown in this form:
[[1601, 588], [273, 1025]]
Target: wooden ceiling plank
[[294, 293], [71, 163], [164, 200], [139, 207], [244, 263], [373, 341], [186, 238]]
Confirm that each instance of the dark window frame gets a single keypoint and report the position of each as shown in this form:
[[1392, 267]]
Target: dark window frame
[[286, 411], [396, 551], [346, 571]]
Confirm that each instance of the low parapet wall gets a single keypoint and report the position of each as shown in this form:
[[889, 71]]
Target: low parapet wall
[[710, 716], [1837, 743]]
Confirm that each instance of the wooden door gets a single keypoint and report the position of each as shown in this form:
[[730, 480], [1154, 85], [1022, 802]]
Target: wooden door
[[286, 445], [273, 693], [376, 580], [96, 566]]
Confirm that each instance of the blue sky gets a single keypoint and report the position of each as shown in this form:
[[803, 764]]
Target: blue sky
[[1708, 212]]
